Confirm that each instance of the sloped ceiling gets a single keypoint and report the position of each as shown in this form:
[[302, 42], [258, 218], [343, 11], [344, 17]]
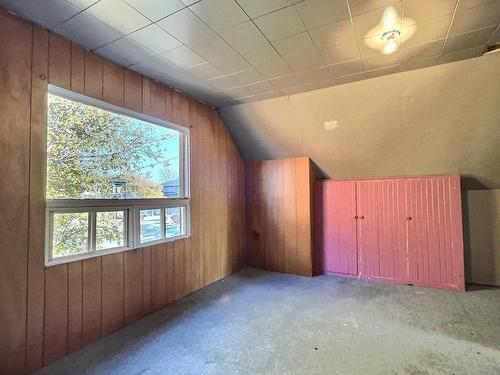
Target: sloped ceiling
[[439, 120]]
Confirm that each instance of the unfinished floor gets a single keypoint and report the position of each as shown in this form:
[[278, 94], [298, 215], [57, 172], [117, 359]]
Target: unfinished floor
[[257, 322]]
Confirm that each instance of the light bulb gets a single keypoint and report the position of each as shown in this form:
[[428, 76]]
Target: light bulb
[[390, 47]]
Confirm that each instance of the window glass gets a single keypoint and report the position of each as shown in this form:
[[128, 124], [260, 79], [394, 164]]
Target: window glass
[[70, 233], [173, 221], [98, 154], [150, 225], [110, 229]]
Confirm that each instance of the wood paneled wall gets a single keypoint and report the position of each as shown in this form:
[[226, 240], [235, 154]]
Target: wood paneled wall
[[46, 313], [279, 208]]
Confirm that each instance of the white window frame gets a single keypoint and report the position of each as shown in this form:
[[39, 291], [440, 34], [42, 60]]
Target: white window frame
[[131, 207]]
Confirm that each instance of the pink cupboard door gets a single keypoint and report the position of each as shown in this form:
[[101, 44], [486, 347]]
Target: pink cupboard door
[[336, 227], [381, 208], [434, 225]]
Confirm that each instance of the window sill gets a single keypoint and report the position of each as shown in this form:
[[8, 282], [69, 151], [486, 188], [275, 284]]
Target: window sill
[[99, 253]]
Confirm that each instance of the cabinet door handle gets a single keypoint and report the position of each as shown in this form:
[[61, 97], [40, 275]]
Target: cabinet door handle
[[408, 218], [362, 217], [356, 216]]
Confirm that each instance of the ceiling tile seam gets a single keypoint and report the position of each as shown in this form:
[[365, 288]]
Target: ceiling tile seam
[[312, 40], [448, 31], [138, 11], [493, 34], [216, 33], [354, 32], [265, 36], [74, 15]]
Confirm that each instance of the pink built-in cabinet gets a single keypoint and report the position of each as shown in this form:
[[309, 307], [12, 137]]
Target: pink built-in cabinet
[[405, 230]]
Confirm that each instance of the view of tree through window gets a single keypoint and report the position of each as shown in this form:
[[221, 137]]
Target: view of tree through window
[[97, 154]]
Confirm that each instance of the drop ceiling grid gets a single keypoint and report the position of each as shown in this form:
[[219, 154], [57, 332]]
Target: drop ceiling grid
[[206, 60]]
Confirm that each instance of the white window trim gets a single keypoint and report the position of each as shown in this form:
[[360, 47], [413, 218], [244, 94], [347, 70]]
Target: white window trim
[[131, 207]]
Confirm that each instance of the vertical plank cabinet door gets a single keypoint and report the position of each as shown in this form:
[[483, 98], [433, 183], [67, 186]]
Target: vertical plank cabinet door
[[434, 226], [381, 209], [336, 227]]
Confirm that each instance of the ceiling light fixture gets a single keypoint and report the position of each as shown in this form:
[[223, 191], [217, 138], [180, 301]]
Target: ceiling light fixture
[[392, 30]]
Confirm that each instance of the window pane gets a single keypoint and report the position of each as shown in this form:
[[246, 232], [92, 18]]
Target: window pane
[[150, 225], [173, 221], [70, 233], [97, 154], [110, 229]]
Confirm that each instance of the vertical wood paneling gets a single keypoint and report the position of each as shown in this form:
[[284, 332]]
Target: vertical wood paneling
[[59, 61], [58, 309], [278, 212], [75, 298], [132, 285], [132, 91], [113, 83], [56, 313], [158, 276], [77, 69], [146, 281], [91, 300], [15, 80], [93, 75], [112, 293], [35, 298]]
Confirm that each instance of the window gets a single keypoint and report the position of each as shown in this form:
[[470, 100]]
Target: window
[[116, 179]]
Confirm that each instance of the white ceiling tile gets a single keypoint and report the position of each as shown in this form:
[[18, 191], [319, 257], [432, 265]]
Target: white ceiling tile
[[316, 13], [155, 39], [319, 84], [205, 71], [427, 31], [468, 40], [421, 51], [333, 34], [154, 67], [381, 61], [287, 81], [346, 68], [156, 9], [125, 52], [480, 17], [119, 15], [250, 43], [248, 76], [256, 8], [266, 95], [461, 55], [314, 75], [231, 64], [189, 2], [274, 69], [363, 6], [383, 71], [260, 87], [88, 31], [419, 64], [280, 24], [466, 4], [183, 57], [219, 14], [184, 26], [421, 10], [340, 53], [225, 82], [495, 37], [298, 45], [46, 14]]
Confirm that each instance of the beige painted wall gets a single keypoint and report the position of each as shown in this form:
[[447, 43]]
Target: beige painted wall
[[443, 119], [482, 241]]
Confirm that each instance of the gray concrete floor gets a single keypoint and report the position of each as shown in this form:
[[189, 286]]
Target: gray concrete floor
[[257, 322]]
